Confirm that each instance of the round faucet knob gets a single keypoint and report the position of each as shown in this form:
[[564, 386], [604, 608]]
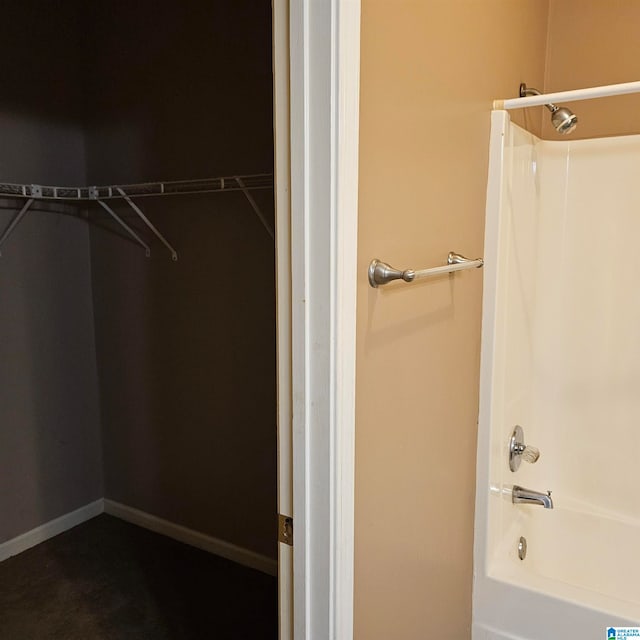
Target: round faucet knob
[[518, 451], [530, 454]]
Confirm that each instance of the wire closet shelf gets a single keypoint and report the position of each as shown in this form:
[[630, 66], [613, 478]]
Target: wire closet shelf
[[176, 187], [33, 192]]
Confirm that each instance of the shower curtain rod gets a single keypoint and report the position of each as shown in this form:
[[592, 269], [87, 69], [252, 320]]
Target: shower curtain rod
[[569, 96]]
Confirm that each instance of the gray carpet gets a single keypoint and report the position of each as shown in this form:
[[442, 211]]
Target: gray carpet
[[109, 580]]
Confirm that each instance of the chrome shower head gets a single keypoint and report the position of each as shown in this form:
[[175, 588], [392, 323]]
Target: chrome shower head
[[564, 120]]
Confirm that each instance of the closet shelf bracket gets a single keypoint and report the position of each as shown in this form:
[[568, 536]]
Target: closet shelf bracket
[[134, 206], [255, 207], [124, 225], [15, 222]]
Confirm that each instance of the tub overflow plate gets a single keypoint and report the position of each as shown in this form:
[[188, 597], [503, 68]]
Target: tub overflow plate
[[522, 548]]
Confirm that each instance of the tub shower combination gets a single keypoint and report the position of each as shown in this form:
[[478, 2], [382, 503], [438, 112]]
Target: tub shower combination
[[557, 551]]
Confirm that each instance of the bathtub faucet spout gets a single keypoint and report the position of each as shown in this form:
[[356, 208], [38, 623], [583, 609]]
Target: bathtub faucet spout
[[520, 495]]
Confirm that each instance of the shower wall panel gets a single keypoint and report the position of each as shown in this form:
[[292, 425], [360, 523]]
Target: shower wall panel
[[560, 357], [587, 351], [569, 349]]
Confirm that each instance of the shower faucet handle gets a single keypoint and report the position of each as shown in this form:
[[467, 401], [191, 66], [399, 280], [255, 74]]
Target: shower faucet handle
[[519, 451], [528, 454]]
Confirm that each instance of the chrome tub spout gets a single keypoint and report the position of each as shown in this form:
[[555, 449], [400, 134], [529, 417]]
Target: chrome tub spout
[[520, 495]]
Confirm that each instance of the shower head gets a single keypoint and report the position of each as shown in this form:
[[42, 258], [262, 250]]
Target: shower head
[[564, 120]]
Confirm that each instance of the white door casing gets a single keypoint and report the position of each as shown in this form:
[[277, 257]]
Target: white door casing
[[282, 179], [322, 174]]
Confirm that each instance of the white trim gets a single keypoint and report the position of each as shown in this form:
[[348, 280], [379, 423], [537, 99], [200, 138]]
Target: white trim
[[346, 114], [191, 537], [142, 519], [282, 191], [569, 96], [499, 127], [298, 61], [301, 600], [50, 529], [324, 86], [283, 250]]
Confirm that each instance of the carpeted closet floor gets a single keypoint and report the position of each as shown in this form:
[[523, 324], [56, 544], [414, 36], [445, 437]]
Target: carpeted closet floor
[[109, 580]]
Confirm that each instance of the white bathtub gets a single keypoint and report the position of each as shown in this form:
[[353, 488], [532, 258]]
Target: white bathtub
[[580, 575], [561, 358]]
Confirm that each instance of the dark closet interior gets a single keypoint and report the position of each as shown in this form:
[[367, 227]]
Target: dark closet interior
[[143, 382]]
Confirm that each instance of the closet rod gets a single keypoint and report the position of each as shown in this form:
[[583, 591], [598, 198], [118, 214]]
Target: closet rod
[[35, 192], [139, 190]]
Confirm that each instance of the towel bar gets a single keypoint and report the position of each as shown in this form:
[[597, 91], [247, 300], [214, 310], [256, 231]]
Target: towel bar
[[383, 273]]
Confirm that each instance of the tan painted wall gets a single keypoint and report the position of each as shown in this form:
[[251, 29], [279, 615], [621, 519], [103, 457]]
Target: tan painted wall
[[429, 72], [595, 42]]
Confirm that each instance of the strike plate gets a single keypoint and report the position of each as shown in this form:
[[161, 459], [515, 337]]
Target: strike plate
[[285, 529]]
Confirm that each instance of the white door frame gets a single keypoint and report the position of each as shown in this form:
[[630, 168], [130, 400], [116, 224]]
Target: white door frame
[[316, 214], [282, 191]]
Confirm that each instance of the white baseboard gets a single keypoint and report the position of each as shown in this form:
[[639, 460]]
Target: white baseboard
[[50, 529], [142, 519], [194, 538]]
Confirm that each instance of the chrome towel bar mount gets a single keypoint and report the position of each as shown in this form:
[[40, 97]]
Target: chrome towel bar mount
[[382, 273]]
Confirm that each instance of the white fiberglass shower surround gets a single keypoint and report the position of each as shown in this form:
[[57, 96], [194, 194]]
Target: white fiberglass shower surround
[[560, 358]]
